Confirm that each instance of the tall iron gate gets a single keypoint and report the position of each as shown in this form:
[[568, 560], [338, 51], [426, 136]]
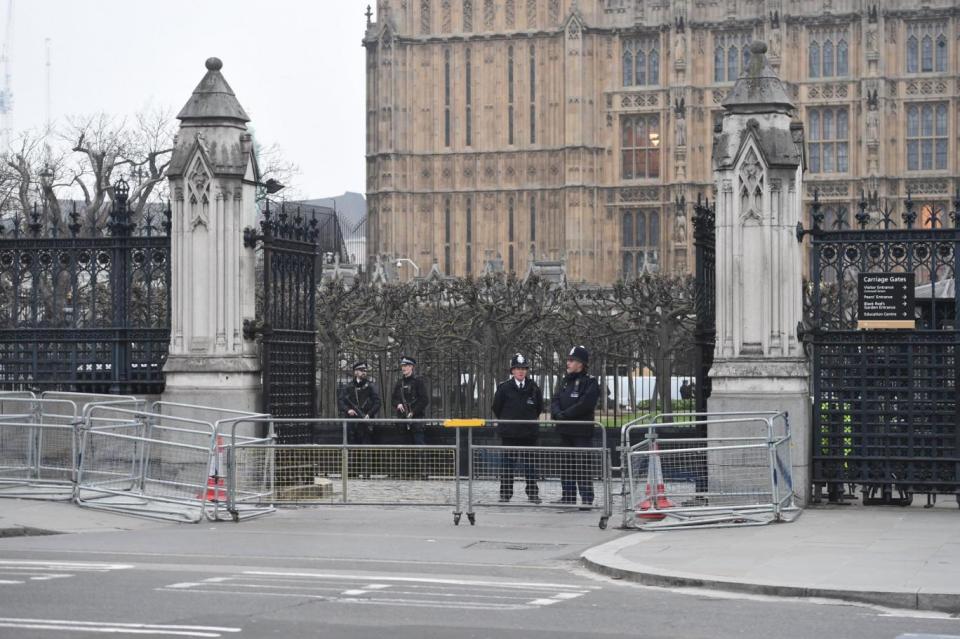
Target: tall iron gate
[[705, 333], [886, 415], [82, 309], [287, 324]]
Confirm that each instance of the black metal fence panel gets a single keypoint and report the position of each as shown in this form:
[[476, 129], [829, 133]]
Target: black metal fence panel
[[885, 410], [84, 308], [287, 325]]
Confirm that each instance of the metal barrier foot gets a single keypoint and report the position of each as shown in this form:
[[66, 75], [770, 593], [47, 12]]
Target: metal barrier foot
[[472, 518], [603, 523]]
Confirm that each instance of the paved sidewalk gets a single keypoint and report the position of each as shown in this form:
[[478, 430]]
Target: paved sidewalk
[[37, 517], [898, 557]]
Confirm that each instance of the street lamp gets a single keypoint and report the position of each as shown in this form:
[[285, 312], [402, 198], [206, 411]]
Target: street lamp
[[416, 268]]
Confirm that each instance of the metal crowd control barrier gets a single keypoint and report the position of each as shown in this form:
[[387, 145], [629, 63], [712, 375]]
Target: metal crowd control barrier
[[264, 473], [39, 448], [156, 465], [739, 474], [551, 476]]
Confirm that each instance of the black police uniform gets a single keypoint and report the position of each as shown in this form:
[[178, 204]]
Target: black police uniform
[[518, 401], [361, 397], [412, 393], [576, 400]]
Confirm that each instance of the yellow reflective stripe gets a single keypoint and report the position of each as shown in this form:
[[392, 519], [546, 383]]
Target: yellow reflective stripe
[[464, 423]]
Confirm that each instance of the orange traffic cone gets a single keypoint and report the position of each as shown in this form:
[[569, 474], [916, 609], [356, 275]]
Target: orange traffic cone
[[656, 497], [216, 488]]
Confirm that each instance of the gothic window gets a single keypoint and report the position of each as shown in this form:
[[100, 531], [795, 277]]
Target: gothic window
[[927, 137], [510, 225], [641, 61], [813, 56], [913, 54], [731, 55], [533, 94], [828, 140], [640, 146], [941, 53], [425, 17], [843, 67], [828, 54], [835, 217], [469, 233], [926, 48], [510, 95], [446, 97], [468, 15], [447, 235], [533, 222], [639, 242], [468, 80]]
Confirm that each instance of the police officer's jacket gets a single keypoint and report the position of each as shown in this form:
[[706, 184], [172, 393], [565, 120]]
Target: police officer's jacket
[[575, 400], [412, 392], [362, 397], [511, 402]]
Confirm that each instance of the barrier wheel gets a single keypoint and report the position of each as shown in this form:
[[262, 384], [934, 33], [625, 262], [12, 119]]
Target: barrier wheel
[[603, 523], [235, 516], [456, 519], [472, 517]]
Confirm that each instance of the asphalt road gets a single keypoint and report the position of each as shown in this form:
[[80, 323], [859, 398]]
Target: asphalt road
[[368, 572]]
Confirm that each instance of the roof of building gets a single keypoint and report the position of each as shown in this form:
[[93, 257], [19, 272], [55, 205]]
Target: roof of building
[[758, 90], [213, 98]]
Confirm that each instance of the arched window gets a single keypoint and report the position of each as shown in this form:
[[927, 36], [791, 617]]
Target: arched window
[[813, 66], [842, 64], [941, 159], [640, 263], [813, 142], [913, 54], [718, 64], [627, 66], [641, 227], [654, 228], [941, 53], [626, 232], [627, 265], [926, 54], [641, 68], [654, 60], [732, 60], [746, 58], [828, 59]]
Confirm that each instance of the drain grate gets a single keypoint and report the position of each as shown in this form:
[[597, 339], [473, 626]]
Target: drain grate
[[514, 545]]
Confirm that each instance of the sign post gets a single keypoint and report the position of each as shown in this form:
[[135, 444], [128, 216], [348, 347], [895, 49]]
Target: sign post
[[886, 300]]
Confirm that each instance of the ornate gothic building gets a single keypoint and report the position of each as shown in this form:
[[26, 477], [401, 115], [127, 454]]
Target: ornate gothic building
[[582, 130]]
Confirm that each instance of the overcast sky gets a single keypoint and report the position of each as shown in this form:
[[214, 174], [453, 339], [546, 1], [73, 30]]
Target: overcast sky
[[297, 67]]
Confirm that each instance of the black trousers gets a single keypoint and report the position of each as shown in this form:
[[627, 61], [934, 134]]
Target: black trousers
[[518, 463], [577, 472]]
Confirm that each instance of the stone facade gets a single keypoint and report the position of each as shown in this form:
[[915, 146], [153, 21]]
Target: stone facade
[[582, 129]]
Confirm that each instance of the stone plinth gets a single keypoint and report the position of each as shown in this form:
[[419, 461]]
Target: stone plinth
[[213, 177], [759, 362]]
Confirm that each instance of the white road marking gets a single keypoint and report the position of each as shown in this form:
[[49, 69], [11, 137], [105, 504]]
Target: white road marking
[[28, 570], [23, 564], [436, 592], [115, 628], [446, 582]]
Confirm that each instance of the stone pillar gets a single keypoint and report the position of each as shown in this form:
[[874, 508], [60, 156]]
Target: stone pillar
[[213, 177], [759, 363]]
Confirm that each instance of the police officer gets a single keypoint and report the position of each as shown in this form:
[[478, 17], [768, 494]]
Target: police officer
[[575, 401], [410, 399], [359, 399], [518, 398]]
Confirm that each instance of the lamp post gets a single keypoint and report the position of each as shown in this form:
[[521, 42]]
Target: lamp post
[[416, 268]]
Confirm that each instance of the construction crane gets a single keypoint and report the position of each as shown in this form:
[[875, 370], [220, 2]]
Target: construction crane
[[6, 92]]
